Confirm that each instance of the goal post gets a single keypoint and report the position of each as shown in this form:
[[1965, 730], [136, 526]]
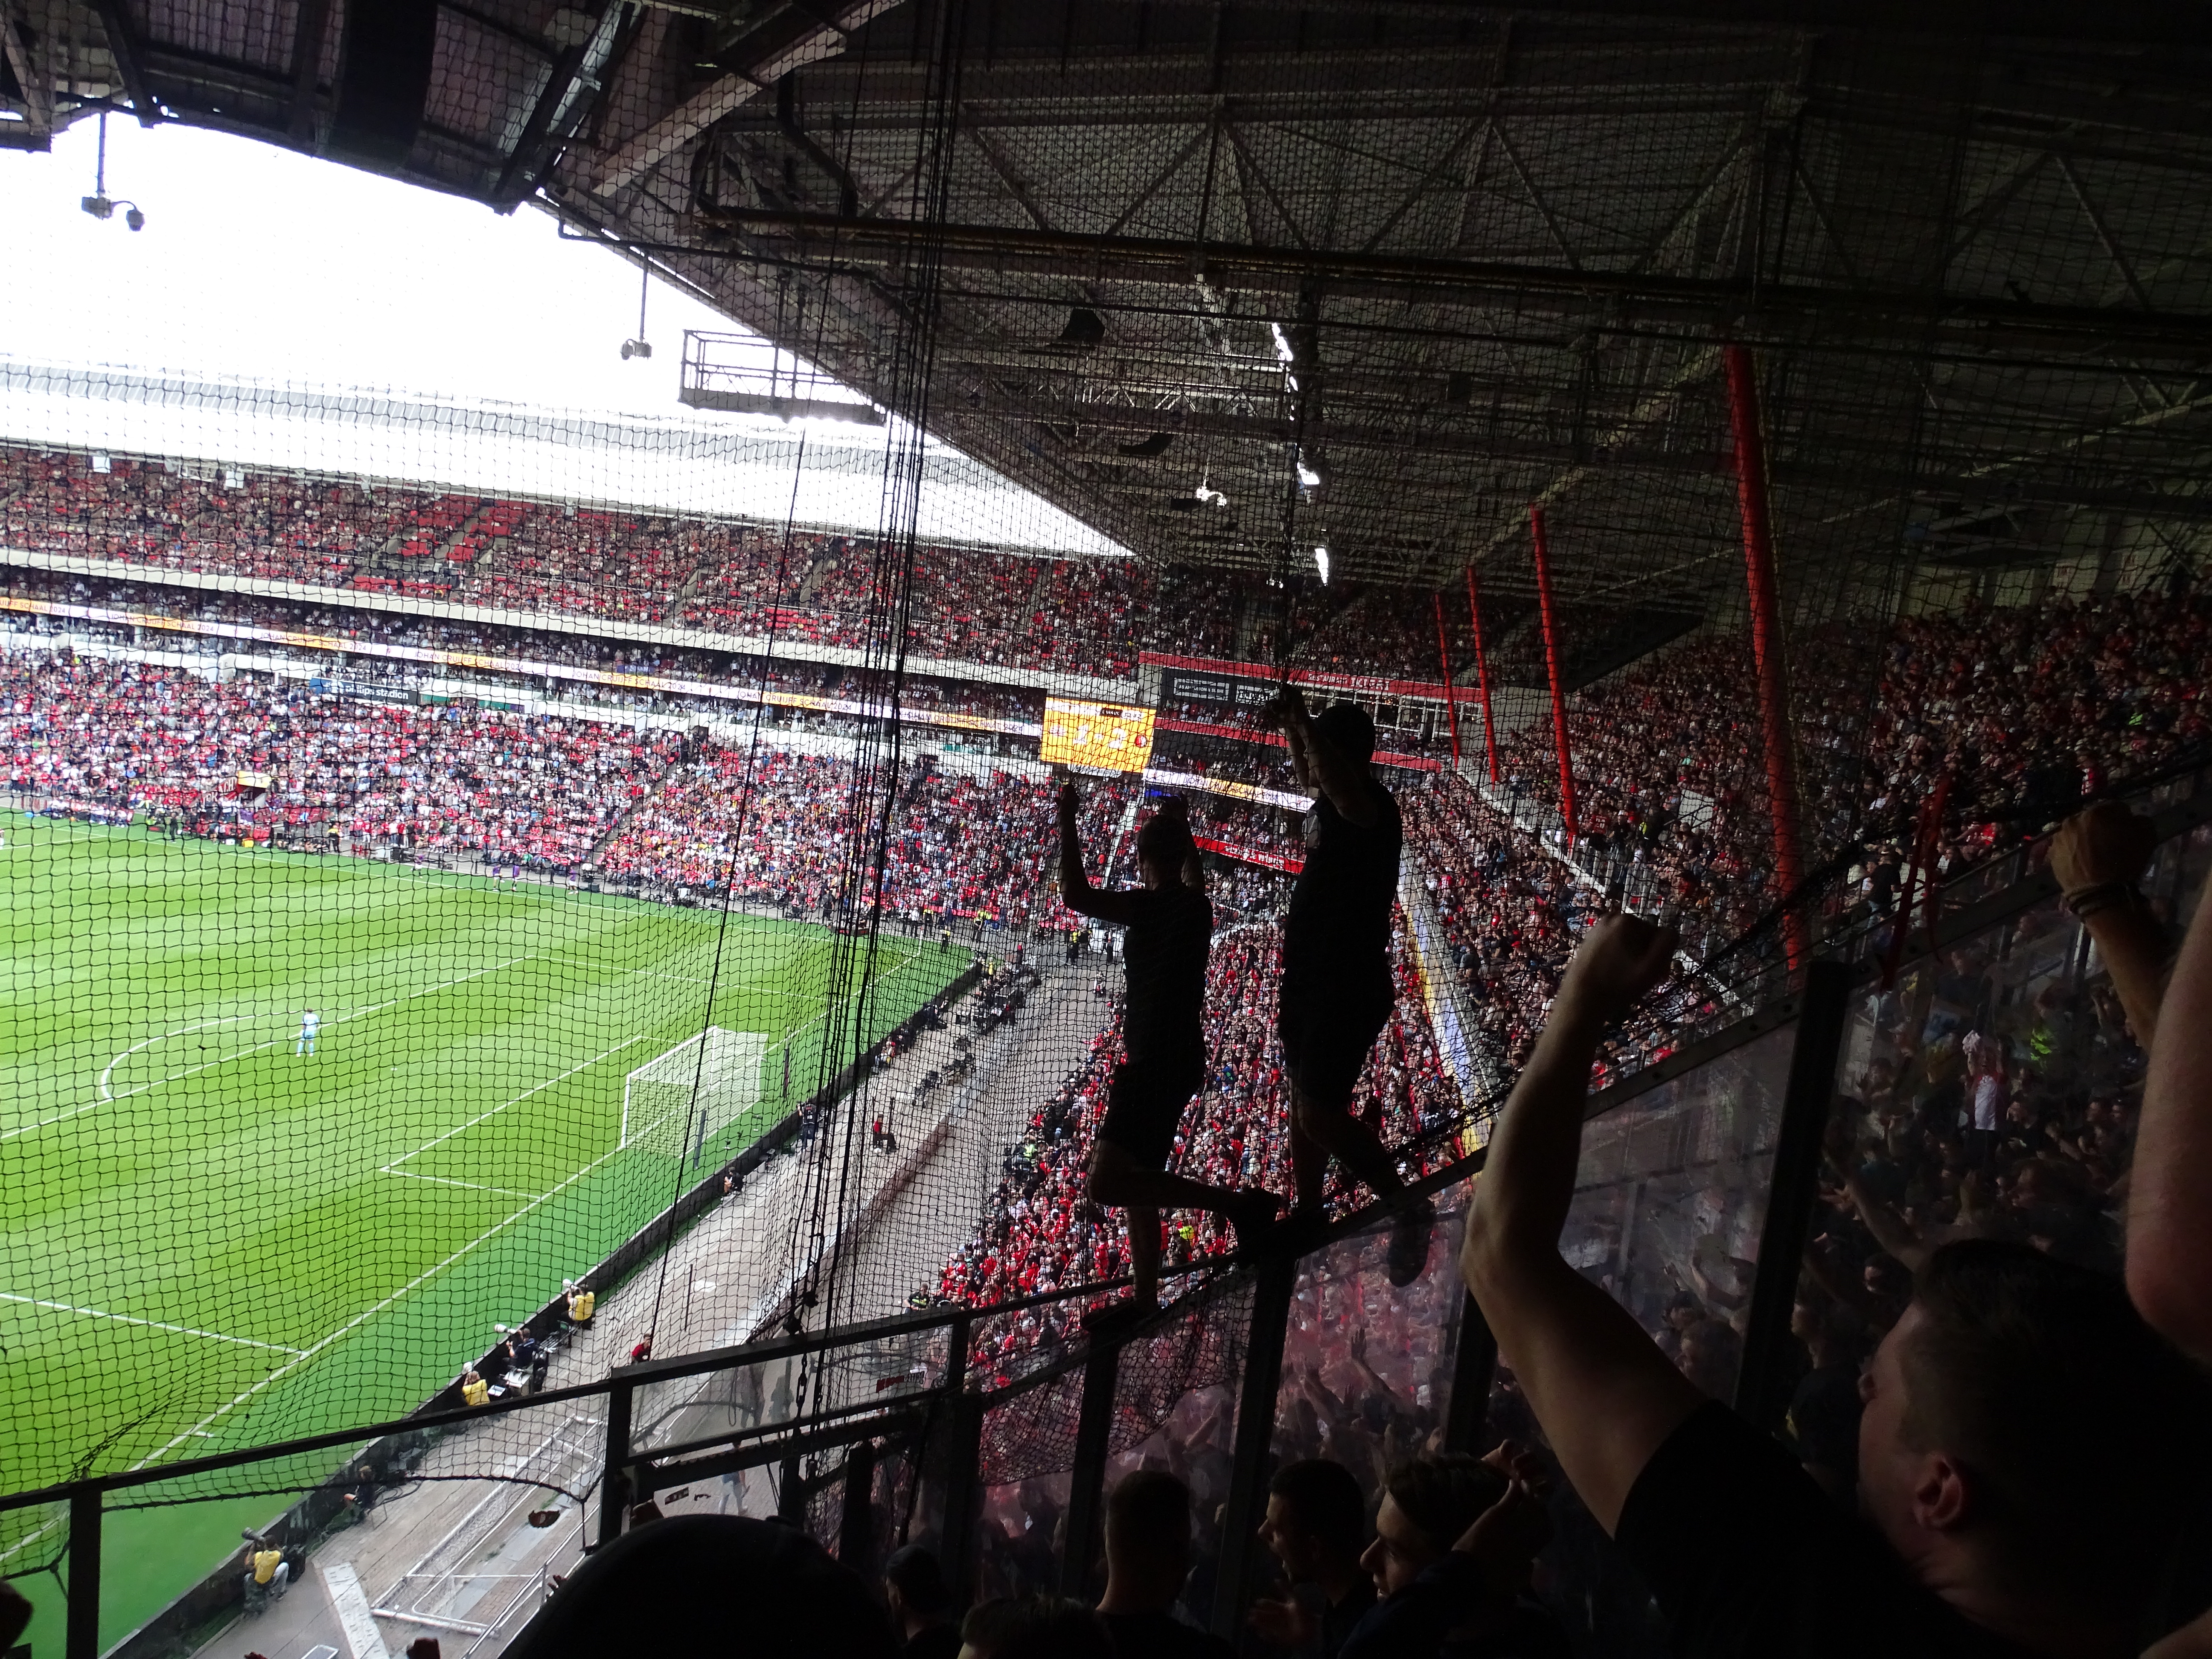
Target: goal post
[[681, 1099]]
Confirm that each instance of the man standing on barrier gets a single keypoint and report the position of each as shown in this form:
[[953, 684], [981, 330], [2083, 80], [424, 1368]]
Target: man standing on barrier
[[1338, 991], [1170, 924]]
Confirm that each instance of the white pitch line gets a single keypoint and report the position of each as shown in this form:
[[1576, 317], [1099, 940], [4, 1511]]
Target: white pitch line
[[107, 1097], [365, 1315], [496, 1110], [151, 1324], [447, 1181]]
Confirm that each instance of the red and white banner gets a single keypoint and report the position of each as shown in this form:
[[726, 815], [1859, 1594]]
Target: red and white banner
[[1250, 854], [1367, 684], [1206, 729]]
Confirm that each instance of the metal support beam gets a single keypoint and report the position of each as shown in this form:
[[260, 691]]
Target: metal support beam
[[1762, 1386], [1474, 1365], [123, 46], [1552, 667], [614, 1472], [856, 1520], [1255, 1433], [1620, 298], [1444, 665], [964, 1495], [83, 1641], [1086, 1489], [1766, 640], [1482, 674]]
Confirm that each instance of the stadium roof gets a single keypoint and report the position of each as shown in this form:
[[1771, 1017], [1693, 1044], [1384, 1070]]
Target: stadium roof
[[757, 470], [1449, 260]]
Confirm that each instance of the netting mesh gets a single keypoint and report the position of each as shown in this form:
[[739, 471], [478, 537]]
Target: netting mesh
[[1745, 478]]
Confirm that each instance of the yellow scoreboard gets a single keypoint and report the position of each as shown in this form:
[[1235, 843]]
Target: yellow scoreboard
[[1105, 737]]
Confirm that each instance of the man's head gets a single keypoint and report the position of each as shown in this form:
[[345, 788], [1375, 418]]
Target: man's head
[[1350, 730], [1147, 1541], [1316, 1520], [913, 1584], [1426, 1504], [2025, 1429], [1164, 845]]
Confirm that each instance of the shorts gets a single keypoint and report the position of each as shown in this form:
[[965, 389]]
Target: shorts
[[1326, 1035], [1144, 1103]]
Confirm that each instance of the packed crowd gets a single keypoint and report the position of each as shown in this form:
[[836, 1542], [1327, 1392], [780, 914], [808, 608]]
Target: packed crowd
[[246, 757], [2015, 713], [769, 826], [1088, 616]]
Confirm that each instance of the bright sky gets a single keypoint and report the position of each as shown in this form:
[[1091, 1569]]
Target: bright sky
[[261, 263]]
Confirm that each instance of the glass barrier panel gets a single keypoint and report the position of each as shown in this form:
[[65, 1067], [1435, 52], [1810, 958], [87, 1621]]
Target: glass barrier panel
[[1991, 1091], [1028, 1449], [1670, 1199], [1367, 1367]]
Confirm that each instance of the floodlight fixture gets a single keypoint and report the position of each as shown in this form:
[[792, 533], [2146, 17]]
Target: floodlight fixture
[[1321, 564], [637, 349], [99, 204]]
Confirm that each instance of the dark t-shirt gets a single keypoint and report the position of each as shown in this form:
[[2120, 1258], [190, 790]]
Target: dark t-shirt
[[1341, 1618], [1824, 1418], [1749, 1558], [1156, 1635], [932, 1642], [1170, 930], [1338, 925]]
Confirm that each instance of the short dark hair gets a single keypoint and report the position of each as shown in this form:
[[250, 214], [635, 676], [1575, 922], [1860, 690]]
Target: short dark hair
[[1326, 1500], [1035, 1628], [1350, 730], [2080, 1427], [1443, 1494], [1149, 1510], [1165, 839], [920, 1578]]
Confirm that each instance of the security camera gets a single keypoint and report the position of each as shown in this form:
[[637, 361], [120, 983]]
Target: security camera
[[637, 349], [134, 219]]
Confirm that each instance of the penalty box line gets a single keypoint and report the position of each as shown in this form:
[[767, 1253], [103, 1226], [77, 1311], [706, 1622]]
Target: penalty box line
[[393, 1169], [150, 1324]]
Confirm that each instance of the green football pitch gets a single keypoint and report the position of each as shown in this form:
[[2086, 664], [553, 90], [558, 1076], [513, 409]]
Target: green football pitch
[[212, 1240]]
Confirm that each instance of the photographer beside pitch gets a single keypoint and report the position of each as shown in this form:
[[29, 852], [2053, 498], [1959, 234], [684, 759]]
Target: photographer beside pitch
[[2027, 1452]]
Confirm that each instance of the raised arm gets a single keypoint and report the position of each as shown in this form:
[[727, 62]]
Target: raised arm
[[1604, 1395], [1348, 786], [2097, 857], [2170, 1191], [1076, 891]]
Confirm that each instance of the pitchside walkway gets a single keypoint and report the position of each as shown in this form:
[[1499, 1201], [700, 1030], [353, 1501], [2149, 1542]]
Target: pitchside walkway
[[456, 1558]]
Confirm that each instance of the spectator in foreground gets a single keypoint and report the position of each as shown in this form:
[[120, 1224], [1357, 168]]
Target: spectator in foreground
[[710, 1583], [1337, 990], [2170, 1190], [1454, 1538], [920, 1604], [1316, 1525], [1147, 1559], [1171, 930], [1034, 1627], [2024, 1454]]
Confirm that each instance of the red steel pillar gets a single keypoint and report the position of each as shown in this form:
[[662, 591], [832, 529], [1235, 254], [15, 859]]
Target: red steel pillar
[[1551, 664], [1767, 636], [1444, 661], [1482, 675]]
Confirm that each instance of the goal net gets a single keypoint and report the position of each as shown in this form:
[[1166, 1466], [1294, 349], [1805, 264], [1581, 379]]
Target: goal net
[[678, 1100]]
